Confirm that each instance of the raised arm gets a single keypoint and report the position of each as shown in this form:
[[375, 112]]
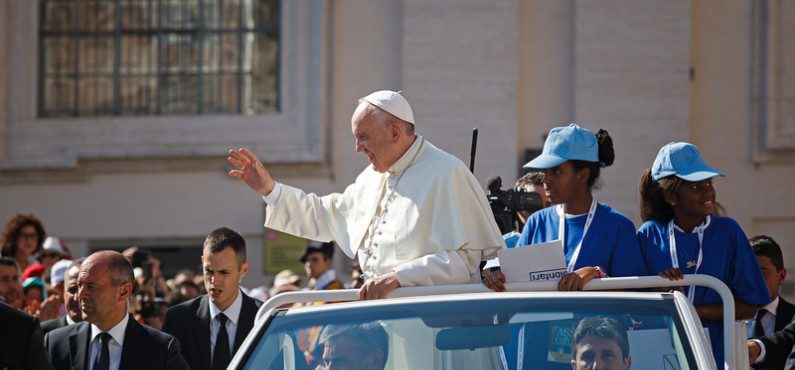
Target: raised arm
[[251, 171]]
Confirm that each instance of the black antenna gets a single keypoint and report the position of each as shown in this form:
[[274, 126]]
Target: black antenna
[[474, 150]]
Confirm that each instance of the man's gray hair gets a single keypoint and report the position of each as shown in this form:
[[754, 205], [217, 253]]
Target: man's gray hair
[[76, 263], [367, 337]]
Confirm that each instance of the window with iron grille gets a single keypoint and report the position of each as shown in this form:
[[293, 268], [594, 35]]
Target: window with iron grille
[[153, 57]]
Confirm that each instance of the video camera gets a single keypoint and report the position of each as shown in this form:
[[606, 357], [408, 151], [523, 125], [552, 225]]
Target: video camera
[[506, 203]]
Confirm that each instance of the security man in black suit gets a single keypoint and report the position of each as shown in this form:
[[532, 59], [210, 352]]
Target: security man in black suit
[[73, 314], [773, 317], [212, 327], [21, 341], [778, 313], [110, 338]]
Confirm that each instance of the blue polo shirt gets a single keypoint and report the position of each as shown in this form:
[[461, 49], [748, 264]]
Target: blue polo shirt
[[611, 242], [727, 255]]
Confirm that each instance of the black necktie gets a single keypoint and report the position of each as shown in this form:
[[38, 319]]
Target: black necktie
[[221, 356], [759, 330], [103, 360]]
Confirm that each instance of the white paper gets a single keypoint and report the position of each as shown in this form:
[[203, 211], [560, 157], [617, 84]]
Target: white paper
[[533, 263]]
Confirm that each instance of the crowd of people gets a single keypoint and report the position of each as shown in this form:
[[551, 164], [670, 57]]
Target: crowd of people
[[415, 216]]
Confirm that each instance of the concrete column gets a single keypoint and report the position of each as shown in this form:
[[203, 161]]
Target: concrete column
[[631, 78], [459, 72], [545, 89]]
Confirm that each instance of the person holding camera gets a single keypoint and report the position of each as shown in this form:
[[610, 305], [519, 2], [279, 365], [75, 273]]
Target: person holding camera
[[684, 233], [598, 241]]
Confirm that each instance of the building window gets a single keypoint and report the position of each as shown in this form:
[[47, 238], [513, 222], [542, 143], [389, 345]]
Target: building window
[[158, 57]]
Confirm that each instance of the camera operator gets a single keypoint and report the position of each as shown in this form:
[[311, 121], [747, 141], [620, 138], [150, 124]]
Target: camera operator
[[597, 240], [531, 182], [512, 207]]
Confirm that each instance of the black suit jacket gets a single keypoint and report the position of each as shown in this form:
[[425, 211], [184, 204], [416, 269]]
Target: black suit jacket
[[144, 348], [21, 343], [784, 313], [53, 324], [190, 323], [778, 346]]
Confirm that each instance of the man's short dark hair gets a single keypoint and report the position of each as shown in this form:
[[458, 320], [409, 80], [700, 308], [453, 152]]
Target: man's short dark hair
[[600, 326], [10, 262], [534, 178], [223, 237], [764, 245], [367, 337]]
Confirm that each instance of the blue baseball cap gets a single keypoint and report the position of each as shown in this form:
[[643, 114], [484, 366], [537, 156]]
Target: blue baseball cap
[[567, 143], [684, 161]]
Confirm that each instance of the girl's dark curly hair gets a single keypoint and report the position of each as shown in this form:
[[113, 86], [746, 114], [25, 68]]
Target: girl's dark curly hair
[[653, 205], [14, 226]]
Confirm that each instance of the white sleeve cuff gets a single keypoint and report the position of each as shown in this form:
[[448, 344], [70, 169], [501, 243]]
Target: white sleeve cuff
[[762, 353], [273, 196], [494, 262]]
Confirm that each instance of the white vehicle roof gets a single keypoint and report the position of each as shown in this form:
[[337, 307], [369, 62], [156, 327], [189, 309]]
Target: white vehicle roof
[[348, 299]]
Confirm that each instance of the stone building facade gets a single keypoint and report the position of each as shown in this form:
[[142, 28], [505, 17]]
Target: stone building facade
[[719, 75]]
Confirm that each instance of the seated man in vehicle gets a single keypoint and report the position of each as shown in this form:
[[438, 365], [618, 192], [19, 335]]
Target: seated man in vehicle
[[600, 343], [362, 346]]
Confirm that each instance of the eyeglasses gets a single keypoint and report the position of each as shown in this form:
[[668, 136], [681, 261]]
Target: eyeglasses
[[28, 236], [50, 255]]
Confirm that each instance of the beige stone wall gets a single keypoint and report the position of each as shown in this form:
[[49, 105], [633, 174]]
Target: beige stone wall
[[512, 68]]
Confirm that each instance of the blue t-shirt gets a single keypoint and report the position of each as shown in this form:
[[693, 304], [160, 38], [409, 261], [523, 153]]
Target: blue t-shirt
[[726, 255], [610, 243]]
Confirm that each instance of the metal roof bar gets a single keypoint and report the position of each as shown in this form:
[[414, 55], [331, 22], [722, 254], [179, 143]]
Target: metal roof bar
[[617, 283]]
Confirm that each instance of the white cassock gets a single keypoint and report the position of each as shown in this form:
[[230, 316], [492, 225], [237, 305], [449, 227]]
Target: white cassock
[[426, 218]]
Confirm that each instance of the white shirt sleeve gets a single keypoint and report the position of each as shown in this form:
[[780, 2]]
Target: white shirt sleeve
[[273, 196], [458, 266], [762, 353]]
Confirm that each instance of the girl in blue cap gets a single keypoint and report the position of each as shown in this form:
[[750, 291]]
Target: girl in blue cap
[[682, 234], [598, 241]]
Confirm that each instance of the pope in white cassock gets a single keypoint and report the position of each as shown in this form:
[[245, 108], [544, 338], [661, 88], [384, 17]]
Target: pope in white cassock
[[414, 216]]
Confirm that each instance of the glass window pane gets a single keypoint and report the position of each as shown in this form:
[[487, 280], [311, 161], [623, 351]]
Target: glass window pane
[[96, 15], [96, 54], [138, 55], [179, 14], [263, 79], [137, 15], [265, 14], [178, 94], [58, 16], [58, 57], [96, 96], [108, 57], [138, 95], [60, 98], [220, 93]]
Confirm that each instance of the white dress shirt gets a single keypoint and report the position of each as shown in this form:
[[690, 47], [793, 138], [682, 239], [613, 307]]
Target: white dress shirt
[[426, 218], [324, 279], [769, 326], [769, 318], [233, 314], [114, 345]]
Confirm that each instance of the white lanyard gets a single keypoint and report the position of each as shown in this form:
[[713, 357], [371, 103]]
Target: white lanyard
[[691, 263], [562, 232]]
